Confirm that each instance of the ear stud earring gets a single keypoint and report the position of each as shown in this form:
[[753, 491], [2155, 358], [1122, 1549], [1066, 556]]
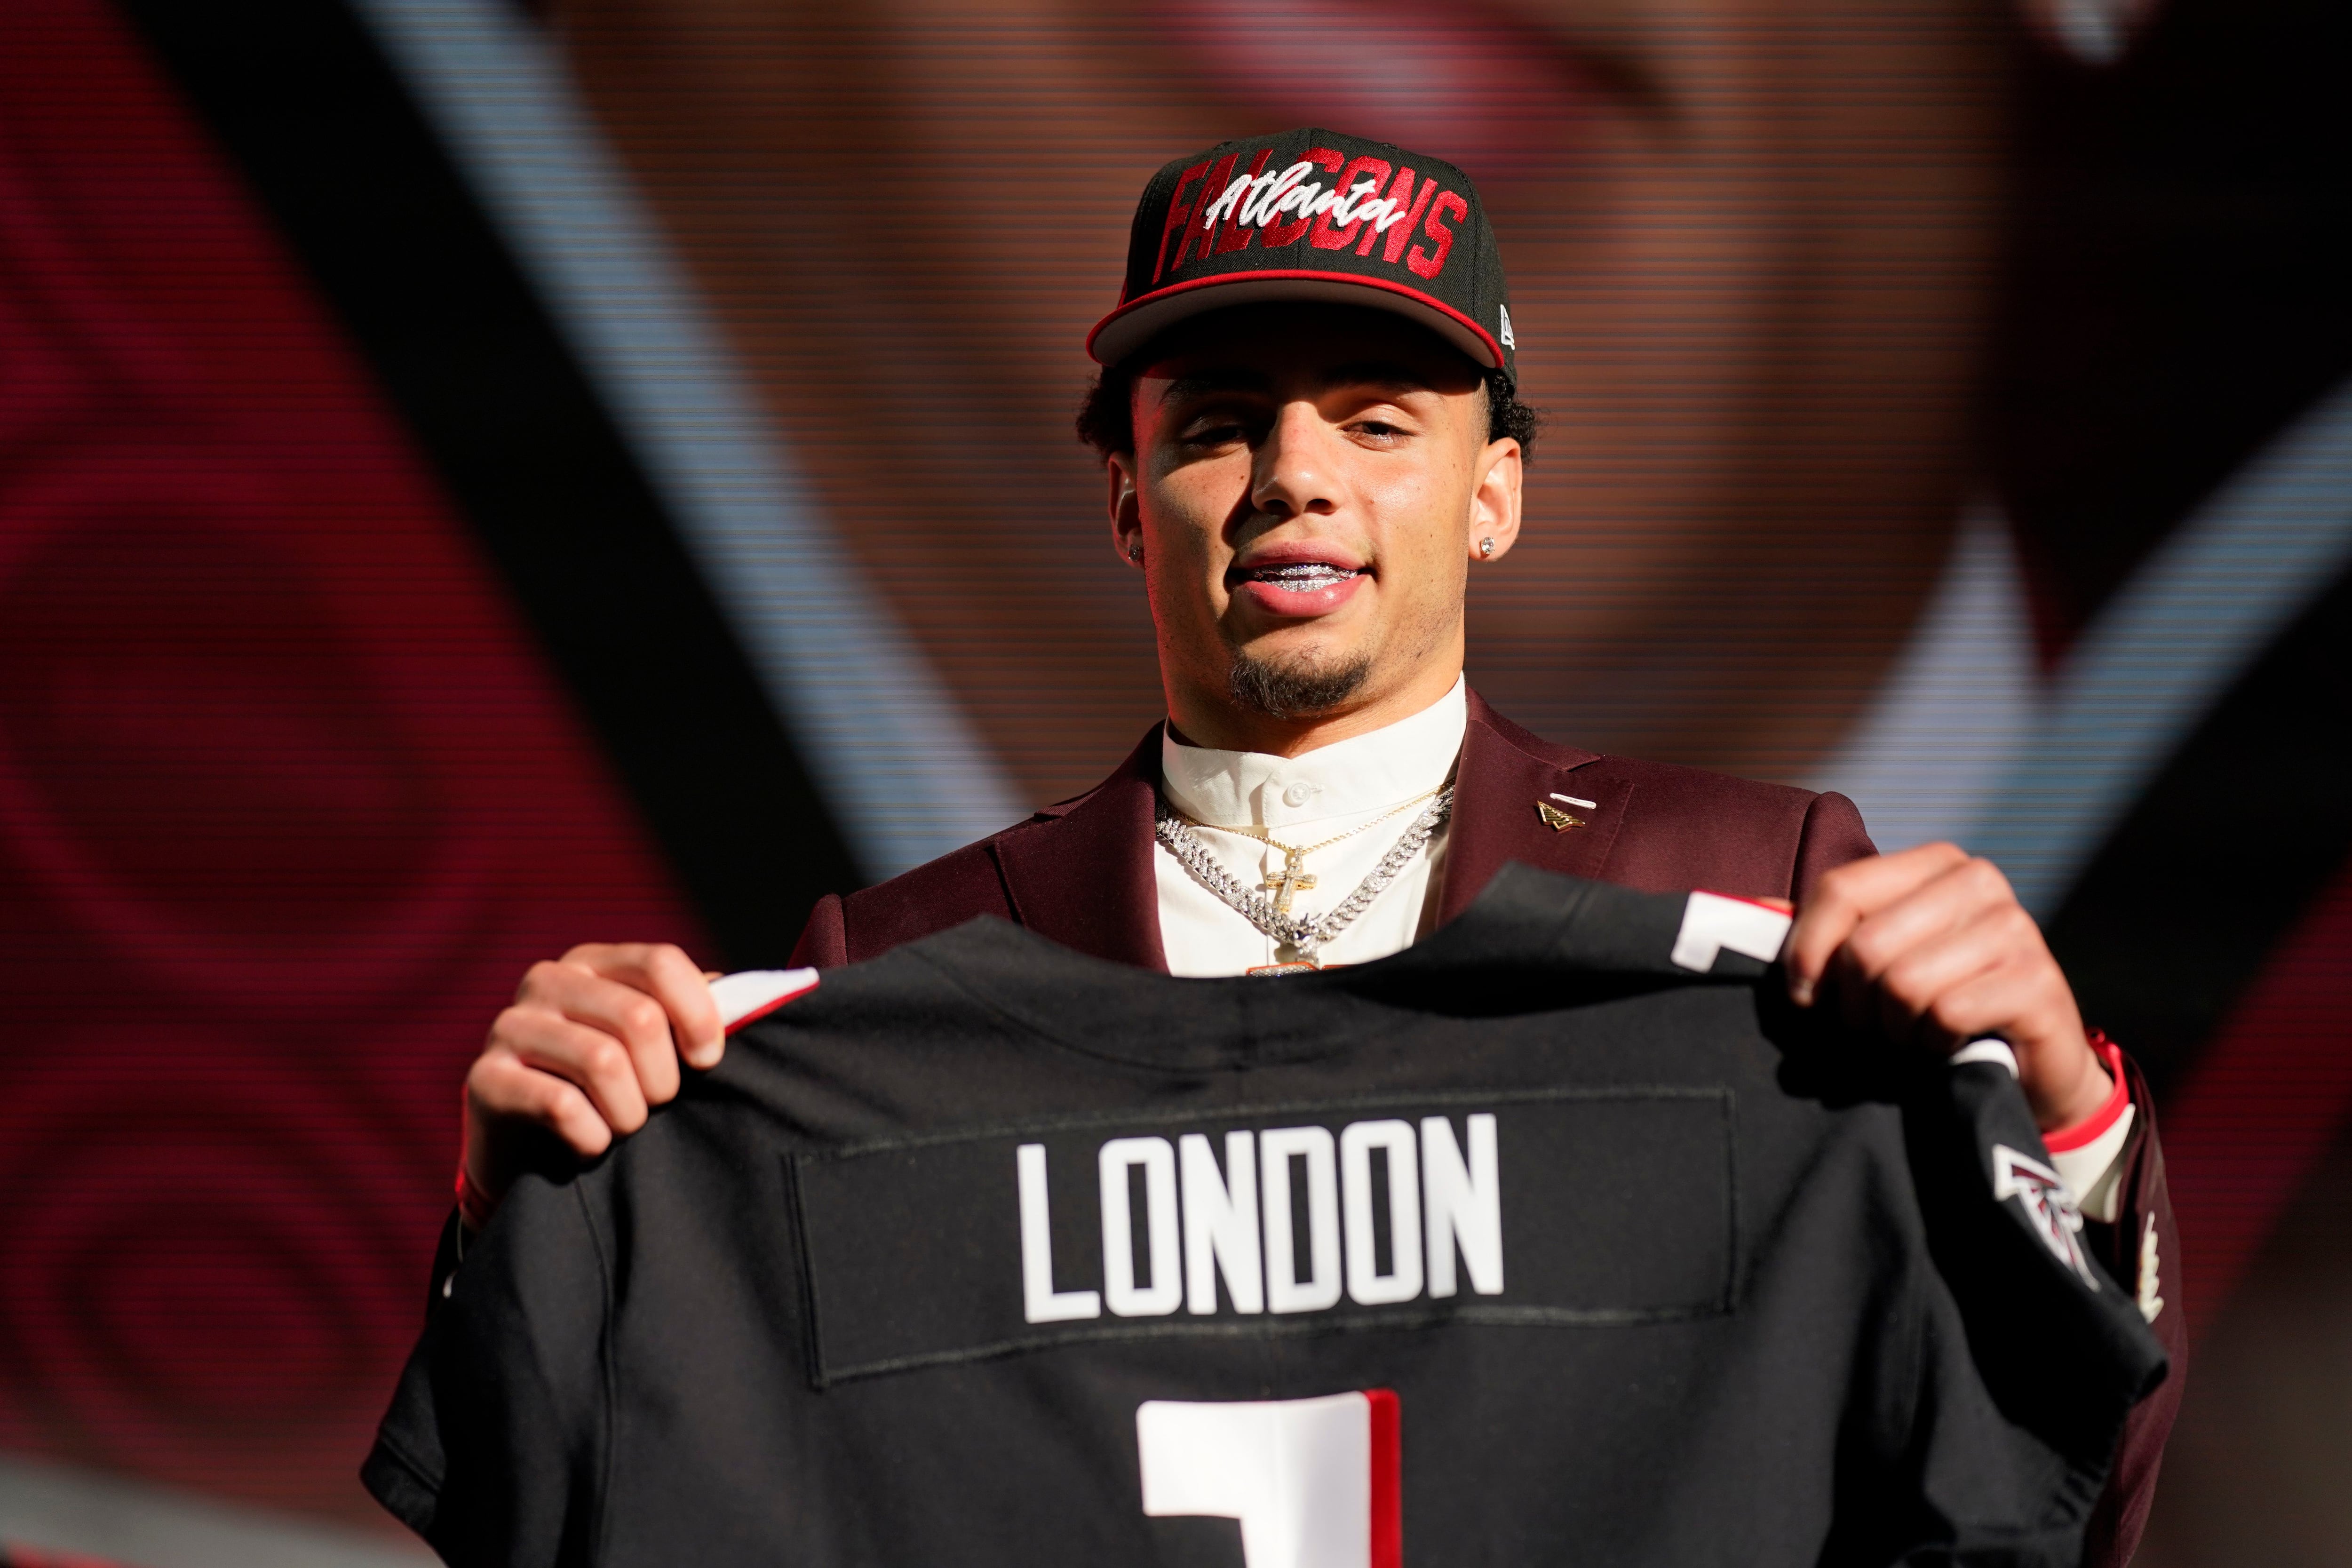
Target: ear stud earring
[[1485, 549], [1134, 552]]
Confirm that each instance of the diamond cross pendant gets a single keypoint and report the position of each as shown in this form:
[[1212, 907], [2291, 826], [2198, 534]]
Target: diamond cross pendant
[[1290, 879]]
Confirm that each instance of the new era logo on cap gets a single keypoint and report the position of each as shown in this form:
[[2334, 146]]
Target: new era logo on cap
[[1313, 215]]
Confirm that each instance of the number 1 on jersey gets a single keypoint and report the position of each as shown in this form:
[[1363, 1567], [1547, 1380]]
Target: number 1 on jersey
[[1316, 1483]]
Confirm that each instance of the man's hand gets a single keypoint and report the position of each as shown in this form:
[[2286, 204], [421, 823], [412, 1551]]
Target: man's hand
[[1932, 946], [592, 1042]]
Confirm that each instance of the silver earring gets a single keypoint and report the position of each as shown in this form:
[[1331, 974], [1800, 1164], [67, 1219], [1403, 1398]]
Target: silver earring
[[1134, 552], [1485, 549]]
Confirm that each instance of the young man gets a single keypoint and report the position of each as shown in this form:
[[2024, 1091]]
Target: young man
[[1311, 436]]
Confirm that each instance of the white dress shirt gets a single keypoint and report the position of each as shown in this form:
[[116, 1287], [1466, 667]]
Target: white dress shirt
[[1301, 801]]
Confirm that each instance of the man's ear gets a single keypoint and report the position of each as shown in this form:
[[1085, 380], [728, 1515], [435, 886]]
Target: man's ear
[[1494, 500], [1125, 506]]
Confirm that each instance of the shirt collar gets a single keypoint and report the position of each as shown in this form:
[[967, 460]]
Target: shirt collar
[[1365, 772]]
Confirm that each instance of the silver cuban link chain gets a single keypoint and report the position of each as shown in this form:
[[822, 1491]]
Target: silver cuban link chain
[[1300, 932]]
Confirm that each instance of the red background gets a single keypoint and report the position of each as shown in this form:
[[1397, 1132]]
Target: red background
[[287, 802]]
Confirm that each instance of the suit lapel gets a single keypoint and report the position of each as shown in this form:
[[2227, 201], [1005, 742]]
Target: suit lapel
[[1506, 776], [1085, 877]]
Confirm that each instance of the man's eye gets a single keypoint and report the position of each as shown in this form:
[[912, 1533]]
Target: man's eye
[[1215, 433], [1381, 428]]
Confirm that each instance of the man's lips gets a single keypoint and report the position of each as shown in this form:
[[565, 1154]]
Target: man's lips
[[1296, 588]]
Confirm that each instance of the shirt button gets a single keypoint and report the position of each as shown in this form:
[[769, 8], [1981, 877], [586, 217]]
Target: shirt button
[[1299, 795]]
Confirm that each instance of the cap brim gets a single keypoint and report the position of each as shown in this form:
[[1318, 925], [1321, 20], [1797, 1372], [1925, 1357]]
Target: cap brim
[[1136, 323]]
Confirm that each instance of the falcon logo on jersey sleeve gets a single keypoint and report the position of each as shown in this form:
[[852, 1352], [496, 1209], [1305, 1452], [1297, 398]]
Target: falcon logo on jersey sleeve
[[2050, 1206]]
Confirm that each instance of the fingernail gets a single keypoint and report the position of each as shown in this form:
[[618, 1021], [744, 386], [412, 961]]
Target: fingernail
[[1800, 990]]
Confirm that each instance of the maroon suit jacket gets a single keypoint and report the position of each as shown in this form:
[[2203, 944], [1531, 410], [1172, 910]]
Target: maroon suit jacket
[[1080, 872]]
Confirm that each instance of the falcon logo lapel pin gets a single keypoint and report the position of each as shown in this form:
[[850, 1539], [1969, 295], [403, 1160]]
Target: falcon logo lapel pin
[[1558, 820]]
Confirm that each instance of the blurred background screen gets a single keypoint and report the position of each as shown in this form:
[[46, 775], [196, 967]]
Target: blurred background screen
[[477, 478]]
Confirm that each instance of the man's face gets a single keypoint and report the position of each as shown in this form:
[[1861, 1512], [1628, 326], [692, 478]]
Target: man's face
[[1308, 486]]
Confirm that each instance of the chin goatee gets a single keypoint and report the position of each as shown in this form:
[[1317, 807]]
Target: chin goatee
[[1293, 690]]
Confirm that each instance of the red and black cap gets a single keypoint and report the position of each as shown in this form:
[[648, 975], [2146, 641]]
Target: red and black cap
[[1313, 215]]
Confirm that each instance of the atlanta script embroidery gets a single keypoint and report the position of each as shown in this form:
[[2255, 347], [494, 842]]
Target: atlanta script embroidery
[[1260, 200]]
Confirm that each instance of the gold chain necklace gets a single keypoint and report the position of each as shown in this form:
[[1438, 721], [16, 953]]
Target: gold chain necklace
[[1293, 878]]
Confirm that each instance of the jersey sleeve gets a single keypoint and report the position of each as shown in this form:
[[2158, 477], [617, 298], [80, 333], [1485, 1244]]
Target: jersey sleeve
[[2041, 1359], [493, 1447]]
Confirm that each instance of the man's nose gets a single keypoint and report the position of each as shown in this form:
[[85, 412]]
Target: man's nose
[[1295, 472]]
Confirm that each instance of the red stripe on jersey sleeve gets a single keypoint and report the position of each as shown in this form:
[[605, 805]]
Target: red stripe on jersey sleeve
[[1388, 1479]]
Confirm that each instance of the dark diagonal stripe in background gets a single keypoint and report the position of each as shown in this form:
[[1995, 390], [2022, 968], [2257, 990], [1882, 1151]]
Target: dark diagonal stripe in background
[[348, 168]]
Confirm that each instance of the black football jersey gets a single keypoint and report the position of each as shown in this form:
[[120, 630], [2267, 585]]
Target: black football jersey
[[1557, 1238]]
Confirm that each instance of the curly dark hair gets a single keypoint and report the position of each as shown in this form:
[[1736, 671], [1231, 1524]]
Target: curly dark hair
[[1107, 414]]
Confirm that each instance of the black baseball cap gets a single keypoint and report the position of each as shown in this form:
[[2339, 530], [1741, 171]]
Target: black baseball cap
[[1313, 215]]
